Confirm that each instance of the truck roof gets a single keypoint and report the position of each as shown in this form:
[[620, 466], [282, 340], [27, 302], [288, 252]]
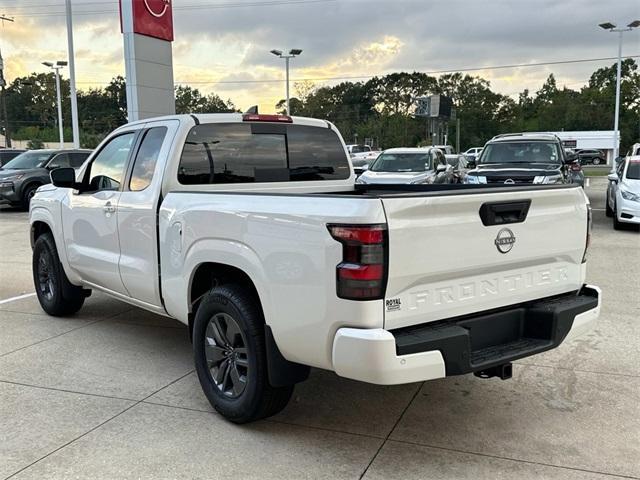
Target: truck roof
[[227, 118]]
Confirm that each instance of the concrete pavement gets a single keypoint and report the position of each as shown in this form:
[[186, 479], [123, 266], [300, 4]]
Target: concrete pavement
[[111, 393]]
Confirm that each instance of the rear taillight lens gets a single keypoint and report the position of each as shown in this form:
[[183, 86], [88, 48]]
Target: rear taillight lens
[[362, 273], [588, 240]]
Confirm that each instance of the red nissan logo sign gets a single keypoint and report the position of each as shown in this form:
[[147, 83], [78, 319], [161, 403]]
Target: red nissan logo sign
[[157, 8], [152, 18]]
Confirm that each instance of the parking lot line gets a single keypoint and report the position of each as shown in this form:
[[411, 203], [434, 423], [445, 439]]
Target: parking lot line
[[19, 297]]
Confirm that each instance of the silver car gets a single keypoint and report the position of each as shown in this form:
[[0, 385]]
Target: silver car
[[408, 166]]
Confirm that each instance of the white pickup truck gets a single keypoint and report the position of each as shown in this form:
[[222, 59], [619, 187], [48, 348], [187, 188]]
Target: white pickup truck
[[249, 229]]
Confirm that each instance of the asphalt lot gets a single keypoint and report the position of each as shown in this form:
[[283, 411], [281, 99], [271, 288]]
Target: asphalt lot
[[111, 393]]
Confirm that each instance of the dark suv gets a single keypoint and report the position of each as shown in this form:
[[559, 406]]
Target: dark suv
[[21, 177], [595, 157], [521, 158]]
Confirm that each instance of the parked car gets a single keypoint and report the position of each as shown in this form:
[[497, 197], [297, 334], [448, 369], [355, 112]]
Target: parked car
[[623, 193], [22, 176], [521, 158], [7, 154], [362, 156], [460, 166], [473, 152], [408, 166], [446, 149], [593, 157], [263, 246], [634, 150], [575, 174]]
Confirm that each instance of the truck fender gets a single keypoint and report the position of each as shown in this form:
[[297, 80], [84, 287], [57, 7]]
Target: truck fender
[[43, 215]]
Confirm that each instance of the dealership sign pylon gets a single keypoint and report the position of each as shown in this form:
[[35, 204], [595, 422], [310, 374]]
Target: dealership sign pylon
[[147, 28]]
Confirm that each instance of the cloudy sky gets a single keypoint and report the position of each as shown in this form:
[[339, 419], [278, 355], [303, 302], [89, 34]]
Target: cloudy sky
[[223, 45]]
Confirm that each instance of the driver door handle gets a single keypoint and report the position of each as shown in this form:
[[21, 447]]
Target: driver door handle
[[108, 208]]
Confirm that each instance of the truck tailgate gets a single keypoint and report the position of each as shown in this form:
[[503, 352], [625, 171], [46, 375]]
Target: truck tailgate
[[445, 261]]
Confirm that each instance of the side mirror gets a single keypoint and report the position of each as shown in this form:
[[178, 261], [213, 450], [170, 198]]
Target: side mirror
[[613, 177], [64, 177]]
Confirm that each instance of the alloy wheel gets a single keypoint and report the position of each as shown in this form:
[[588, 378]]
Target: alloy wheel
[[226, 353], [46, 281]]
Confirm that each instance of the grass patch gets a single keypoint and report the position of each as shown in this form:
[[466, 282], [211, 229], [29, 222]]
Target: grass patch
[[596, 171]]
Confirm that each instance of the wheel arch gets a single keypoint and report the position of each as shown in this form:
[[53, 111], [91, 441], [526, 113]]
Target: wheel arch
[[208, 275], [29, 183]]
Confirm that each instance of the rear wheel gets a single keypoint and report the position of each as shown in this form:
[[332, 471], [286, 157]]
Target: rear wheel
[[230, 356], [57, 296], [596, 161]]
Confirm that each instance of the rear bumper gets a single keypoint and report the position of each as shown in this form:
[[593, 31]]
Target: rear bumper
[[464, 345]]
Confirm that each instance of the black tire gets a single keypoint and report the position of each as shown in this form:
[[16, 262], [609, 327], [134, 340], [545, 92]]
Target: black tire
[[243, 351], [27, 194], [607, 209], [57, 296], [596, 161], [617, 225]]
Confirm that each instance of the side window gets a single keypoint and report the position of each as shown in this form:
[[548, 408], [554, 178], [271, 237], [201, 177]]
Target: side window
[[231, 153], [107, 168], [77, 159], [146, 159], [59, 161]]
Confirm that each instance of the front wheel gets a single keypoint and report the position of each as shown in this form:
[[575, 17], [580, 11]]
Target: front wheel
[[27, 195], [230, 356], [596, 161], [57, 296], [617, 225]]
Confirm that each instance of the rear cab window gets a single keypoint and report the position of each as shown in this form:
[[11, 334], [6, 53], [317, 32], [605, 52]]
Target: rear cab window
[[222, 153]]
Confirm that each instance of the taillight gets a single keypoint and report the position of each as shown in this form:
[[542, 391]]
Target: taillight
[[255, 117], [362, 273], [588, 240]]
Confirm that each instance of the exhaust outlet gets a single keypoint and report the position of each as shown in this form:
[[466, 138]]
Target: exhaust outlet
[[504, 372]]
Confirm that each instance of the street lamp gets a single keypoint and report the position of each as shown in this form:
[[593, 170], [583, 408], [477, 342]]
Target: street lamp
[[58, 65], [612, 28], [294, 52]]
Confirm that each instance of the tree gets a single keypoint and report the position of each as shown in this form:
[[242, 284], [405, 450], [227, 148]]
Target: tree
[[190, 100]]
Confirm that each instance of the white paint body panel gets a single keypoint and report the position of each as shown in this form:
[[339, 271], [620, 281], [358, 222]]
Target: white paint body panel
[[443, 261], [370, 356], [287, 252]]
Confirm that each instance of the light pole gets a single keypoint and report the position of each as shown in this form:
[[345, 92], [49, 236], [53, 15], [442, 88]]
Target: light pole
[[58, 65], [294, 52], [612, 28], [72, 77]]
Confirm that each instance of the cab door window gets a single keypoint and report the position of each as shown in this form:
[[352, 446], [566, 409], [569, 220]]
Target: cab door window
[[107, 169], [146, 159]]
